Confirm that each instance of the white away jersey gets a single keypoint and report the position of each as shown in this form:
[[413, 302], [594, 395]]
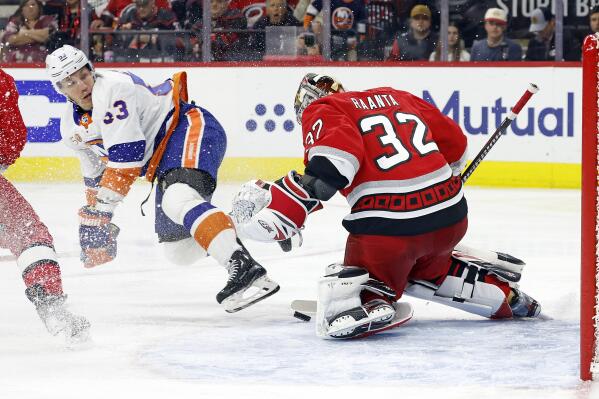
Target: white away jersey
[[126, 117]]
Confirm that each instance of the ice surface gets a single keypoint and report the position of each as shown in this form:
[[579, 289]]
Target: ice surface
[[159, 333]]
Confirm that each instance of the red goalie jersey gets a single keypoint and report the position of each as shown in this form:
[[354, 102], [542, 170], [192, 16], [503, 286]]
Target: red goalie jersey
[[395, 157]]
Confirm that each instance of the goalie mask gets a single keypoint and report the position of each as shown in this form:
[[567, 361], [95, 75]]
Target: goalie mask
[[313, 87]]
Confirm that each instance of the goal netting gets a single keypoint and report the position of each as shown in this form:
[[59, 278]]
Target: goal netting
[[589, 360]]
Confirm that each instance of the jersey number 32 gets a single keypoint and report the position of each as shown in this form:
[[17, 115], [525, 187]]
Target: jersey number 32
[[390, 138]]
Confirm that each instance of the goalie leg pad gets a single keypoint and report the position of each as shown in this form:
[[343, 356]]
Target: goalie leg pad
[[339, 309], [497, 259], [373, 317], [470, 289], [337, 293]]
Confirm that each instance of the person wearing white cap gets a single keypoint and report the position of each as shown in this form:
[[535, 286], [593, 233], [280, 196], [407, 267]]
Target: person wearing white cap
[[496, 47], [542, 46]]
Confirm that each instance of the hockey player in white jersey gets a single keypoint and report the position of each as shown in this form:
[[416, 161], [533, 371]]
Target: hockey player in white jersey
[[122, 128]]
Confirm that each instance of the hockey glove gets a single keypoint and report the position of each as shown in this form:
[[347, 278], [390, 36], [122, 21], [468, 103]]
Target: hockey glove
[[252, 197], [291, 200], [284, 214], [97, 237]]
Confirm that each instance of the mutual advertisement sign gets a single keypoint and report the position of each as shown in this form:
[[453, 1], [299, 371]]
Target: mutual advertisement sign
[[255, 105]]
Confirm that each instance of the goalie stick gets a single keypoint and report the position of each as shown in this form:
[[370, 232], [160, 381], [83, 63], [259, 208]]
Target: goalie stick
[[510, 267], [532, 89]]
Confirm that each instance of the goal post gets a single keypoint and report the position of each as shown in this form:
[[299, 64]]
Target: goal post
[[589, 204]]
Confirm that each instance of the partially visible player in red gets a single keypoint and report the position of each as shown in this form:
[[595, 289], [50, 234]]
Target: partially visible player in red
[[397, 159], [22, 232]]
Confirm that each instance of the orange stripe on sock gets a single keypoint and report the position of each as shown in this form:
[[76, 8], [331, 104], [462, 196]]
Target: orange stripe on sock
[[119, 180], [90, 196], [193, 139], [211, 227]]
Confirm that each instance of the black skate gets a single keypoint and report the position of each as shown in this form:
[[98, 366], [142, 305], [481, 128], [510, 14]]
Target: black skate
[[57, 319], [374, 316], [523, 305], [247, 284]]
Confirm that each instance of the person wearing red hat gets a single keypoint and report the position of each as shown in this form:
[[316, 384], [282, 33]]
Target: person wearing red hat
[[495, 47]]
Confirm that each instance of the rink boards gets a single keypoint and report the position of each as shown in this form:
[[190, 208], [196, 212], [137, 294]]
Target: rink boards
[[255, 106]]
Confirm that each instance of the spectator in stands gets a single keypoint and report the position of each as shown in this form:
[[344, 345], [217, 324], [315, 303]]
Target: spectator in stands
[[27, 33], [381, 27], [278, 13], [253, 10], [419, 41], [69, 25], [496, 47], [111, 14], [178, 8], [542, 46], [348, 26], [228, 41], [145, 15], [594, 19], [456, 50], [54, 7]]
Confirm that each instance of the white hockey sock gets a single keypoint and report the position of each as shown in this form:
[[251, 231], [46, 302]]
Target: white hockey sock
[[223, 245]]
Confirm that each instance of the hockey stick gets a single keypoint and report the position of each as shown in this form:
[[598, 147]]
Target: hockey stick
[[532, 89], [301, 307]]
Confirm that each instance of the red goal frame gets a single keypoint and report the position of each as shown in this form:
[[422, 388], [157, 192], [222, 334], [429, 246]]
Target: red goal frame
[[589, 192]]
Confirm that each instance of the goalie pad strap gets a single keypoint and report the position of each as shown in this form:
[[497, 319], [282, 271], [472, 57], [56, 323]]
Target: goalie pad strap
[[468, 288]]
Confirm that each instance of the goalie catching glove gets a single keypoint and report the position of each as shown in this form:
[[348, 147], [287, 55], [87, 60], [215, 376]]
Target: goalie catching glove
[[97, 237], [277, 214]]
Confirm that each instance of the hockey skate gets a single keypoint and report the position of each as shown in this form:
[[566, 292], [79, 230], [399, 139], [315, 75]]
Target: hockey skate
[[523, 305], [247, 283], [57, 319], [374, 316]]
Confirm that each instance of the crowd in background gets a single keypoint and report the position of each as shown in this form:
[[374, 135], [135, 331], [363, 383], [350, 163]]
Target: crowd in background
[[254, 30]]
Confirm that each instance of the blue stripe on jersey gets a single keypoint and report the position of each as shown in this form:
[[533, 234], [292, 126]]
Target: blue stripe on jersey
[[92, 182], [160, 90], [195, 213], [127, 152]]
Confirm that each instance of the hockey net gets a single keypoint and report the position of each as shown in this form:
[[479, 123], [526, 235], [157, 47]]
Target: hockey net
[[589, 326]]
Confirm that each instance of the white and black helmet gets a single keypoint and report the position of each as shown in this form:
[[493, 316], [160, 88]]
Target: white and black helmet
[[312, 87], [64, 62]]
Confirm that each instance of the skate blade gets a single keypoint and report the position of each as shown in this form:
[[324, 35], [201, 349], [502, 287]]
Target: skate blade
[[260, 289]]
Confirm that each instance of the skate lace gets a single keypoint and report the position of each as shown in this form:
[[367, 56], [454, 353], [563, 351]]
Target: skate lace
[[234, 266]]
